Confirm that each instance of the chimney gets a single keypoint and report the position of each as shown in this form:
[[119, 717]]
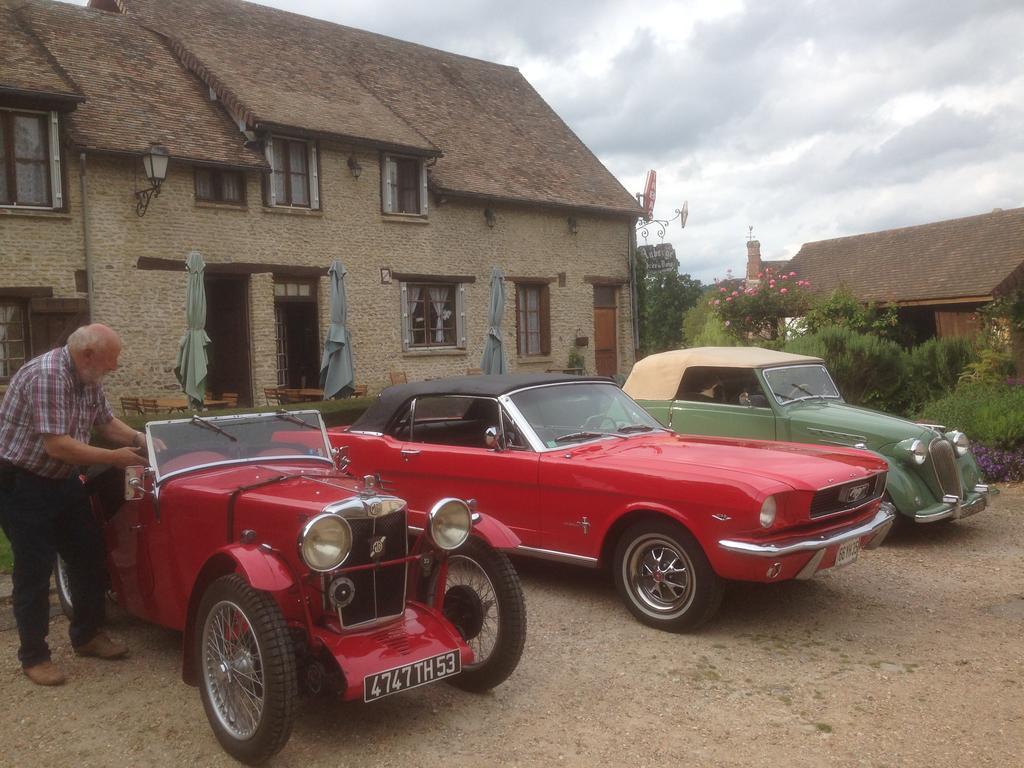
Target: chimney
[[753, 260]]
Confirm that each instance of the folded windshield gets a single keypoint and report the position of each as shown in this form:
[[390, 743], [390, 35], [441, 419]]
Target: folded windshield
[[187, 443], [801, 382], [573, 413]]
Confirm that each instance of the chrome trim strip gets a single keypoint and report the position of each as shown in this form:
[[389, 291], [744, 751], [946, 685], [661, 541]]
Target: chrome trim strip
[[879, 525], [551, 554], [833, 433], [238, 462]]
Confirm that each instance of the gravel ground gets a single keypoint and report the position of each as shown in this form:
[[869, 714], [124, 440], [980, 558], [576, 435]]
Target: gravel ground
[[911, 657]]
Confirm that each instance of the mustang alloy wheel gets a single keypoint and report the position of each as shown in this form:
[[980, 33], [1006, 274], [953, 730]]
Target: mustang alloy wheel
[[247, 669], [483, 599], [664, 577]]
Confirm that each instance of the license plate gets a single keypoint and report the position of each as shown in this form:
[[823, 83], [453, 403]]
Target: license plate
[[381, 684], [847, 553]]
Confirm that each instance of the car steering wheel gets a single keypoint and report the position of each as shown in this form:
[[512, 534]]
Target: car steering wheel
[[598, 421]]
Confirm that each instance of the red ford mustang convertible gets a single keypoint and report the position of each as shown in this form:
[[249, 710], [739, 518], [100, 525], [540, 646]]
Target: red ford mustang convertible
[[583, 474], [285, 574]]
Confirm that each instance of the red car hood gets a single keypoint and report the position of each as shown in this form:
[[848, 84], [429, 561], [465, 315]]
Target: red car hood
[[802, 467]]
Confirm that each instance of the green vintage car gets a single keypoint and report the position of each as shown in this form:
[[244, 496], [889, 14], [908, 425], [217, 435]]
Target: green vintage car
[[759, 393]]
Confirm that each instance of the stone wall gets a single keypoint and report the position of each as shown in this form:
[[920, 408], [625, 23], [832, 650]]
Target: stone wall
[[147, 306]]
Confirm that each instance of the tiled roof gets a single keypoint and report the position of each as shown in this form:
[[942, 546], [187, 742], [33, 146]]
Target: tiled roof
[[135, 91], [958, 258], [25, 65], [498, 137]]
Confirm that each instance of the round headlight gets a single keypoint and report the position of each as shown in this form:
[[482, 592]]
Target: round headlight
[[768, 512], [960, 442], [918, 452], [450, 522], [325, 542]]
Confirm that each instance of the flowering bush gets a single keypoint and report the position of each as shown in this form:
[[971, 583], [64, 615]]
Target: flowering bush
[[757, 311], [999, 465]]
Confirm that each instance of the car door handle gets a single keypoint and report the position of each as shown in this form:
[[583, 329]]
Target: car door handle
[[407, 452]]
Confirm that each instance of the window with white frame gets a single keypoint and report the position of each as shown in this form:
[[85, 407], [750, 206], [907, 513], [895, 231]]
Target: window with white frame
[[433, 315], [533, 319], [30, 173], [294, 176], [404, 185]]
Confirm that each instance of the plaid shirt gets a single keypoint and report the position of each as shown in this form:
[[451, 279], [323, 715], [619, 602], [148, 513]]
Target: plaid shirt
[[46, 398]]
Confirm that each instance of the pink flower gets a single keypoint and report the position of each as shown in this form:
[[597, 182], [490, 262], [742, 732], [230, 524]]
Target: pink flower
[[785, 277], [771, 284], [728, 298], [784, 290], [717, 302], [722, 290], [735, 293], [792, 274]]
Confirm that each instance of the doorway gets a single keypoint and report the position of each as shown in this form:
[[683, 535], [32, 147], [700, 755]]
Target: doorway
[[298, 335], [606, 351], [227, 325]]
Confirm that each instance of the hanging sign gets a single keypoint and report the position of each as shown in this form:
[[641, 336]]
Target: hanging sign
[[650, 192]]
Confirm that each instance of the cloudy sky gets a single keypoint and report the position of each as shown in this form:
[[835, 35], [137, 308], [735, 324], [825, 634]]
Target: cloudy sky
[[806, 120]]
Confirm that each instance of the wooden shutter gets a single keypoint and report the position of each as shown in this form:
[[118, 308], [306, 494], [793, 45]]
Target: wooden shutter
[[519, 339], [545, 319], [271, 195], [460, 314], [406, 322], [314, 177], [388, 181], [56, 184], [423, 188]]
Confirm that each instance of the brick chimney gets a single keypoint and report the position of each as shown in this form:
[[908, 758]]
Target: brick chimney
[[753, 260]]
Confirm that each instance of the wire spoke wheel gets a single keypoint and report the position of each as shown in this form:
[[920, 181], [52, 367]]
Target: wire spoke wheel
[[233, 670], [472, 605]]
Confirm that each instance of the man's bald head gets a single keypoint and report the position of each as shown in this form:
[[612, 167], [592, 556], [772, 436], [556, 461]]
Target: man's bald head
[[94, 350]]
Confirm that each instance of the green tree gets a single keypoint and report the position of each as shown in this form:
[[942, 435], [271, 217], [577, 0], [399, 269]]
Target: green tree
[[666, 296]]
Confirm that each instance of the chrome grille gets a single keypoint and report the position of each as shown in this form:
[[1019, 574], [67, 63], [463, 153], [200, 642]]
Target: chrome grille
[[829, 501], [947, 473], [379, 592]]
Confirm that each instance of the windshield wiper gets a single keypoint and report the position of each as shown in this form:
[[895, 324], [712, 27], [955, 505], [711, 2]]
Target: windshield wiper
[[285, 416], [213, 427], [585, 435], [635, 428]]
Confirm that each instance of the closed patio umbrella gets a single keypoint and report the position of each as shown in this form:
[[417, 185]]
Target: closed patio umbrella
[[493, 360], [191, 368], [337, 371]]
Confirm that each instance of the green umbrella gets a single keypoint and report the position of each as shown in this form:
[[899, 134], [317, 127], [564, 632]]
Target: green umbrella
[[493, 360], [337, 371], [191, 367]]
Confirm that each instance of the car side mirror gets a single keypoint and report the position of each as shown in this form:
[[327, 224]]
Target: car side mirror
[[492, 439], [135, 482], [340, 457]]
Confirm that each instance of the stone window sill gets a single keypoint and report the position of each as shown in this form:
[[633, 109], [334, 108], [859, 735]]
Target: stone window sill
[[443, 352], [318, 212], [241, 207], [531, 359], [40, 213], [404, 218]]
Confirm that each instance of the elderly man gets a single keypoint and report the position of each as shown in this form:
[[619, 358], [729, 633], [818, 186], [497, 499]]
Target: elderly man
[[53, 403]]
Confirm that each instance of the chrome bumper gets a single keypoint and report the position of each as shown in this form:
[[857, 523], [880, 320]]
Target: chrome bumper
[[877, 528], [956, 509]]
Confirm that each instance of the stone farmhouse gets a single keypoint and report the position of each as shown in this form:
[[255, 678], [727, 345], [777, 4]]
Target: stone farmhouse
[[419, 170]]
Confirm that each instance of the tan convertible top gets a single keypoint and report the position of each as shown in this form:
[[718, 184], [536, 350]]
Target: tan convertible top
[[657, 377]]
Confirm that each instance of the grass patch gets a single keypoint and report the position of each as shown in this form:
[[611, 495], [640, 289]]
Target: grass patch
[[6, 559], [823, 727]]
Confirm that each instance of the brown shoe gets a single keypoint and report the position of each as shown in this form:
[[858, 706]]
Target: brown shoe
[[44, 673], [102, 647]]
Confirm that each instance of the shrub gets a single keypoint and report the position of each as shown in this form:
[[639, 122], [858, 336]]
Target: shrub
[[868, 371], [712, 334], [844, 309], [999, 465], [758, 311], [988, 414], [934, 368]]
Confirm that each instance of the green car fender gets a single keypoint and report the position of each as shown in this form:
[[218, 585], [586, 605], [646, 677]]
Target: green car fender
[[903, 486]]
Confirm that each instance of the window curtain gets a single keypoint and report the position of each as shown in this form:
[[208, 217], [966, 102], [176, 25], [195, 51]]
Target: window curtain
[[438, 298], [413, 293], [30, 160]]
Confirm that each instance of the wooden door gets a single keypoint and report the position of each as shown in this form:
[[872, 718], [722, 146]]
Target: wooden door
[[227, 325], [606, 353]]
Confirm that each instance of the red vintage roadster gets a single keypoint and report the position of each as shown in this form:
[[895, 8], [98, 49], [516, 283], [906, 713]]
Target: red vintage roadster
[[285, 573], [583, 474]]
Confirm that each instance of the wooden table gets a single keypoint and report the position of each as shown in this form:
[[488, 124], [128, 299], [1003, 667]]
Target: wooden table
[[302, 395]]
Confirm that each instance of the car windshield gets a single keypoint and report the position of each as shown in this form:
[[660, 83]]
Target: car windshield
[[570, 413], [801, 382], [201, 440]]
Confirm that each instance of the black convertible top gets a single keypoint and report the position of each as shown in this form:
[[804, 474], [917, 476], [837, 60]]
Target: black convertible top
[[392, 399]]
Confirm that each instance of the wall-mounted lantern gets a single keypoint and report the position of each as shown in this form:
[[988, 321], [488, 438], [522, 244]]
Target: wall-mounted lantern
[[154, 164]]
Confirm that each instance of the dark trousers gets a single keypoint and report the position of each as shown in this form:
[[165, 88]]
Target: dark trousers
[[42, 518]]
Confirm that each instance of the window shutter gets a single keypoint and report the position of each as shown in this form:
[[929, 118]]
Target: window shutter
[[545, 320], [519, 338], [271, 194], [460, 315], [406, 322], [388, 180], [55, 174], [423, 188], [314, 178]]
